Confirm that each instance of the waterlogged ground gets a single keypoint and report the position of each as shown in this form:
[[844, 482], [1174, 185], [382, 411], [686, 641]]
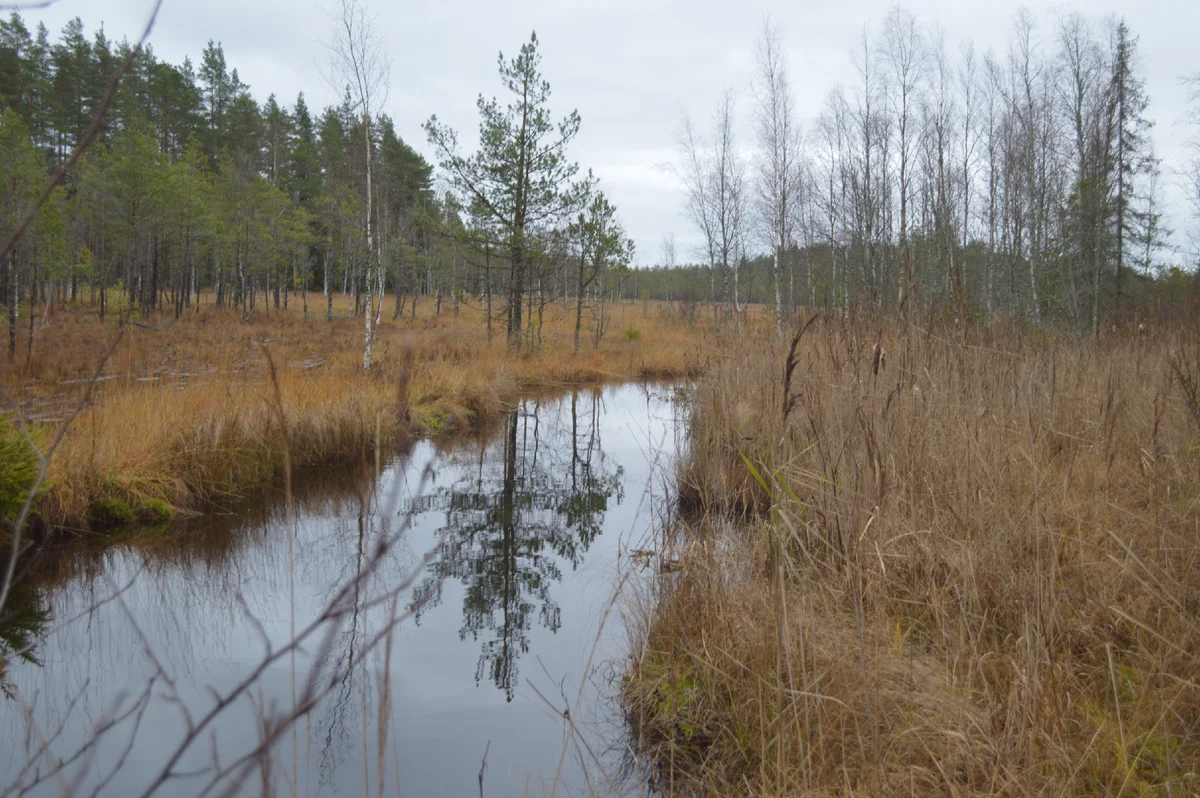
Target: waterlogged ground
[[502, 557]]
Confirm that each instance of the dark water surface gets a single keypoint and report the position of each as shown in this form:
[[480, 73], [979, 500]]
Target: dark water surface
[[504, 555]]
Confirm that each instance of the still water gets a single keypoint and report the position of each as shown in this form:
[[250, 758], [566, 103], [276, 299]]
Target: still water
[[461, 606]]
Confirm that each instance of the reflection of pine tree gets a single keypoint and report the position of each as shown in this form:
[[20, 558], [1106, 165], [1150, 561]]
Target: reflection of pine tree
[[22, 621], [510, 525]]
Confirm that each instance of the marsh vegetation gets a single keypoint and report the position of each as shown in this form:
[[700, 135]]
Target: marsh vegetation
[[325, 467]]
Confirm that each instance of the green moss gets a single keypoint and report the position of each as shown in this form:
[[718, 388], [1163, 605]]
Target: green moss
[[431, 421], [18, 469], [155, 512], [673, 698], [107, 514]]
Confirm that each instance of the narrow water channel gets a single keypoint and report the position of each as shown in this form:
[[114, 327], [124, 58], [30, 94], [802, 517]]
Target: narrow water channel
[[466, 595]]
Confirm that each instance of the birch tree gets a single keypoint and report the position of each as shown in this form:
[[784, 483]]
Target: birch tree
[[938, 117], [1031, 145], [832, 127], [867, 186], [1191, 171], [729, 196], [694, 172], [994, 153], [905, 55], [968, 82], [714, 184], [359, 61], [1085, 109], [668, 246], [779, 150]]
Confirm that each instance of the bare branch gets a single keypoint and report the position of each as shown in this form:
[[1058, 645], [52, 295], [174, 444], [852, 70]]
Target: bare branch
[[18, 7]]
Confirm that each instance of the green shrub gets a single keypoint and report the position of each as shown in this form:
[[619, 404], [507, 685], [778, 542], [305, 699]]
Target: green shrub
[[631, 334], [105, 515], [155, 512], [18, 470]]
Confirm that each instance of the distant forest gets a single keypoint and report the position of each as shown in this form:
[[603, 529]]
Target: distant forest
[[193, 184], [1021, 185]]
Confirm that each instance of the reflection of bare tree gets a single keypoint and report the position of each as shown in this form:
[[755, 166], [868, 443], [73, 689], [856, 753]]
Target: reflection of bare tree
[[336, 734], [527, 508]]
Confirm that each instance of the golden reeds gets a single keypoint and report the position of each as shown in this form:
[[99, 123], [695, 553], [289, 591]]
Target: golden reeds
[[952, 570], [183, 413]]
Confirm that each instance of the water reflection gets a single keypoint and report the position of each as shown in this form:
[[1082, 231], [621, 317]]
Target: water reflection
[[22, 622], [522, 501], [510, 544]]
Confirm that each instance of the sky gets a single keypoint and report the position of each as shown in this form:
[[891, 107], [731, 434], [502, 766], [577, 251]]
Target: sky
[[632, 68]]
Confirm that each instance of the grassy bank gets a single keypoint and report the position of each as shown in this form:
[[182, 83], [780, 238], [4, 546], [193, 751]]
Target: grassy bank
[[921, 567], [185, 410]]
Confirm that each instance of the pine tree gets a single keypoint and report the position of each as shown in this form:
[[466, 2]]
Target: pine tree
[[245, 129], [192, 195], [175, 102], [21, 175], [1149, 234], [135, 180], [72, 61], [304, 167], [1131, 158], [41, 99], [102, 68], [277, 139], [336, 198], [521, 175], [217, 94], [16, 82]]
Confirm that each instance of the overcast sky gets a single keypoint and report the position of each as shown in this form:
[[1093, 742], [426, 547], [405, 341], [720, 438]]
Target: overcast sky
[[631, 67]]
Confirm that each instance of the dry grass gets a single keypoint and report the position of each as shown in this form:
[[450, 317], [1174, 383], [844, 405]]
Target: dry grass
[[184, 412], [948, 570]]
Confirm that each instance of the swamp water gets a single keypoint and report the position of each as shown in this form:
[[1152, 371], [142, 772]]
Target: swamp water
[[497, 559]]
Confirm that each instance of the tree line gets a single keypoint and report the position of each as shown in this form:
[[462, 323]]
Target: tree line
[[1021, 184], [196, 189], [1016, 184]]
